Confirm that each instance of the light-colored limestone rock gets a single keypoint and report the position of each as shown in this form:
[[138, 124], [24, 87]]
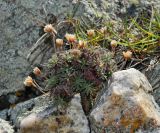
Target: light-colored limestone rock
[[45, 118], [5, 127], [126, 105]]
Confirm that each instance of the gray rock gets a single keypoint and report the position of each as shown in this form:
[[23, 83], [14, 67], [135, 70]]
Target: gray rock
[[27, 106], [118, 9], [44, 117], [20, 28], [149, 131], [126, 105], [3, 114], [154, 78], [5, 127]]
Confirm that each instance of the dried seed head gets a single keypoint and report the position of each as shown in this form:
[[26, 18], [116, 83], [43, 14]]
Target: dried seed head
[[127, 55], [103, 30], [114, 43], [37, 71], [82, 44], [91, 32], [70, 37], [49, 29], [28, 81], [75, 52], [59, 42]]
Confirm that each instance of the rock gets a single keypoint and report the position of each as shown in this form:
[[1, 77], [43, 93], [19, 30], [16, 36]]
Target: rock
[[20, 28], [118, 9], [126, 105], [21, 25], [149, 131], [154, 78], [44, 117], [5, 127], [3, 114]]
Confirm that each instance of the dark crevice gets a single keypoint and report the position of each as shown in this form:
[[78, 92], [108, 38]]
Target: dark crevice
[[86, 106], [10, 100], [8, 117], [89, 124], [27, 94]]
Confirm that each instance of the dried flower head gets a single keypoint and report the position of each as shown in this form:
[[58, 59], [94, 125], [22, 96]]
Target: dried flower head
[[59, 43], [82, 44], [103, 30], [49, 29], [70, 37], [127, 55], [37, 71], [91, 32], [114, 43], [29, 82], [75, 52]]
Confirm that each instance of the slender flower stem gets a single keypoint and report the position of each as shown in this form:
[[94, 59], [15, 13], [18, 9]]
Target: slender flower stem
[[38, 87]]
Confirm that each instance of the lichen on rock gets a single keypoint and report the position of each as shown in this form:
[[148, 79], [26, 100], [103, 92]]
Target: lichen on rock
[[44, 116], [126, 105]]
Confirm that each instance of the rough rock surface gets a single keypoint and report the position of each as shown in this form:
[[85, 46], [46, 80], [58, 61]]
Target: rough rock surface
[[154, 78], [5, 127], [126, 105], [20, 28], [19, 31], [40, 115], [118, 9], [157, 130]]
